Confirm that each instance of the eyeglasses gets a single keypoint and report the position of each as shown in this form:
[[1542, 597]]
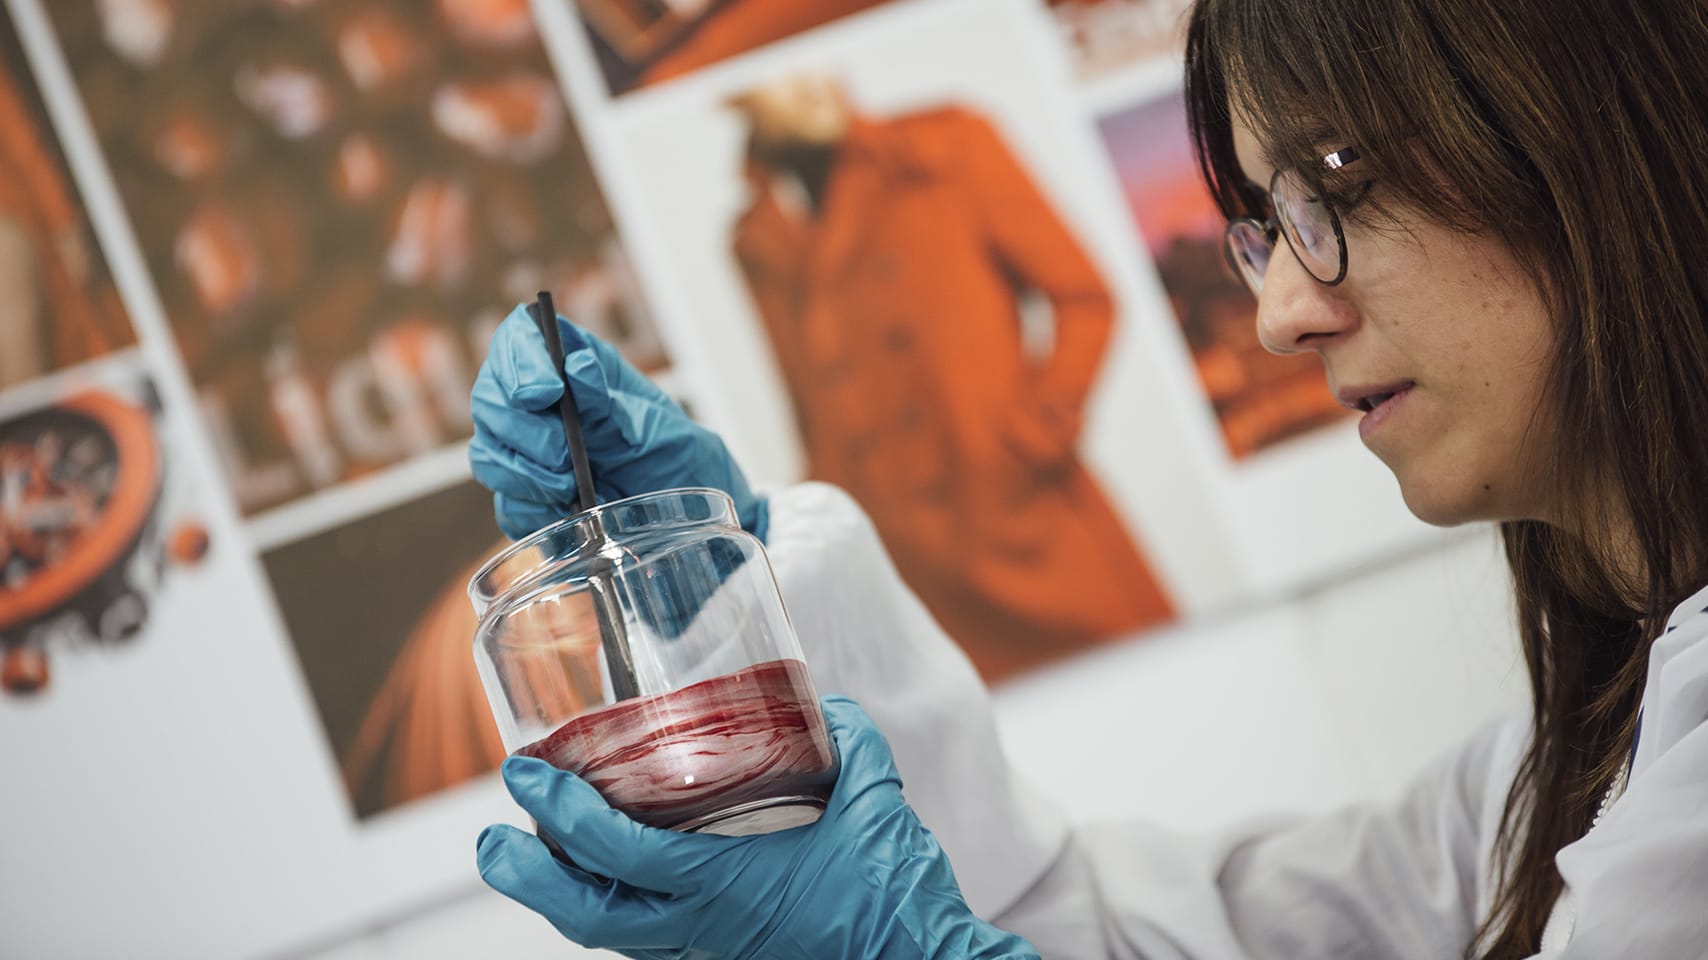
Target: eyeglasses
[[1311, 226]]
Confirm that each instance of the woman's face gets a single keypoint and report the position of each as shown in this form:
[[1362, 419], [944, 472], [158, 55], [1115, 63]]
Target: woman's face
[[1442, 341]]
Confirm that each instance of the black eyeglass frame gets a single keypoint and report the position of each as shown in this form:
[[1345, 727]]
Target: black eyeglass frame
[[1271, 226]]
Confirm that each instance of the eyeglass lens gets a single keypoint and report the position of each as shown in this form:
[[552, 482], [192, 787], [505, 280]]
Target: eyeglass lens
[[1308, 223], [1249, 249]]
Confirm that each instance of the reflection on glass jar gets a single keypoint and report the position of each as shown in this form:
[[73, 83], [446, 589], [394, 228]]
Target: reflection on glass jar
[[725, 734]]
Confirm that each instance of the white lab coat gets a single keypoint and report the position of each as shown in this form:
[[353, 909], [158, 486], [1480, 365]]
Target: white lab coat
[[1407, 880]]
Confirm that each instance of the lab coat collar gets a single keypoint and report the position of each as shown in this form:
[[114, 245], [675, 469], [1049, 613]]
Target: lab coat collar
[[1697, 603]]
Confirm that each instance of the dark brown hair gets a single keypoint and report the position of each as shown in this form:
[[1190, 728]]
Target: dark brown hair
[[1573, 131]]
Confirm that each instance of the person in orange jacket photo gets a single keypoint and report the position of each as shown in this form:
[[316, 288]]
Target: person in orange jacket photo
[[888, 260]]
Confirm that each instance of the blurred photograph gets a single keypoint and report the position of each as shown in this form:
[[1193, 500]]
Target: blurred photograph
[[642, 42], [90, 524], [58, 306], [1107, 36], [338, 201], [379, 614], [1259, 399], [893, 261]]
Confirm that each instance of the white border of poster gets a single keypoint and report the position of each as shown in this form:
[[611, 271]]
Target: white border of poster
[[678, 188], [187, 794]]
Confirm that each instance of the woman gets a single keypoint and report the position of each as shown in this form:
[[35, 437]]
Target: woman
[[1495, 217]]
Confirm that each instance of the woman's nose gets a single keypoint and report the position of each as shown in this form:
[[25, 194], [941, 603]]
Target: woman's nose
[[1296, 312]]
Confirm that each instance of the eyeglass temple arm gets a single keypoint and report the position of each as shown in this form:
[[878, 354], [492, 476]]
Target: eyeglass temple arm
[[1340, 158]]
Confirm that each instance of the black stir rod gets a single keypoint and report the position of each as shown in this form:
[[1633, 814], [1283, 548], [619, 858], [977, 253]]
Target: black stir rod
[[613, 634]]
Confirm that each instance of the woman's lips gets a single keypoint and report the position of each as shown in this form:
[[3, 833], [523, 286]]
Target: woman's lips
[[1381, 409]]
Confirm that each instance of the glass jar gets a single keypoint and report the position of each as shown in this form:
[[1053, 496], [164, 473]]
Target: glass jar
[[643, 646]]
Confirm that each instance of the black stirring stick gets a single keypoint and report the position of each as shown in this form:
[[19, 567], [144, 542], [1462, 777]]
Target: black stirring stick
[[613, 636]]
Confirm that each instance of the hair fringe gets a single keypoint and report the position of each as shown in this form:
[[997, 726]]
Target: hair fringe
[[1597, 179]]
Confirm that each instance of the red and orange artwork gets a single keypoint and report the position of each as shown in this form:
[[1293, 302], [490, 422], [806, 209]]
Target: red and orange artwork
[[85, 539], [57, 302], [1259, 399], [338, 201], [866, 231], [379, 615]]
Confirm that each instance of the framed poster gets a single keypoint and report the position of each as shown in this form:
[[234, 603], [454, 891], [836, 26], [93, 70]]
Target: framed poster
[[338, 210], [1259, 400], [379, 616], [95, 519], [643, 42], [58, 306], [902, 282]]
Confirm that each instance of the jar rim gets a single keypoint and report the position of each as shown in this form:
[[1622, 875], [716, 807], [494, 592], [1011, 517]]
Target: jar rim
[[484, 599]]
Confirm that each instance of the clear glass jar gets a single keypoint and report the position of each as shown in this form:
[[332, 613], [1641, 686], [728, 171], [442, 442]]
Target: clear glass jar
[[721, 729]]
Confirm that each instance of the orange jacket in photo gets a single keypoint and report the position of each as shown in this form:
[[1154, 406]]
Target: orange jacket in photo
[[895, 317]]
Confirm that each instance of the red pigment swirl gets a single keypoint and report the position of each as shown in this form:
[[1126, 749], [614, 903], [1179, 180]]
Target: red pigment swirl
[[674, 757]]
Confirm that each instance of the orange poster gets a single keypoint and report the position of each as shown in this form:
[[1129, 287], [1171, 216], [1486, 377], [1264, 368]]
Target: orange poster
[[888, 258], [338, 201], [379, 614], [92, 519], [57, 303], [1259, 399]]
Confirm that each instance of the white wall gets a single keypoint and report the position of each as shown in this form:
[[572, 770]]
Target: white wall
[[1300, 705], [1329, 697]]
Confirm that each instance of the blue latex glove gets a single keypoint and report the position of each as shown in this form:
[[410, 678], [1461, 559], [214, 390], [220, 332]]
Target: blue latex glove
[[865, 881], [638, 439]]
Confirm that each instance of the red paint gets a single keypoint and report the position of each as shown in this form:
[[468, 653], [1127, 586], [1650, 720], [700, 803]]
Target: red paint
[[671, 758]]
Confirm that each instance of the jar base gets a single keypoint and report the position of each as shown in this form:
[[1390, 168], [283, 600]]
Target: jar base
[[768, 815]]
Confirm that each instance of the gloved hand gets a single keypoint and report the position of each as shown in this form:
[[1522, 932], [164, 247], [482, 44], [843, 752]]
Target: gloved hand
[[638, 439], [865, 881]]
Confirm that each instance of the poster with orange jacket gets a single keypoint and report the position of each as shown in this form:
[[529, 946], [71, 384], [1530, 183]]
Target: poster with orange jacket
[[888, 260]]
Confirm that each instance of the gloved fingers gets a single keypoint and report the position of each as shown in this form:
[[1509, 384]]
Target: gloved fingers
[[519, 475], [636, 442], [519, 367], [755, 515], [513, 473], [522, 506], [623, 415], [602, 839], [518, 364], [589, 911], [587, 377], [855, 730], [602, 377], [508, 857], [868, 767], [518, 518], [638, 439], [621, 376], [537, 433]]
